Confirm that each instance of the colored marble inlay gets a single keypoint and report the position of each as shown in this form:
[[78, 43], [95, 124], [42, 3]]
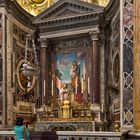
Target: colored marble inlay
[[128, 21]]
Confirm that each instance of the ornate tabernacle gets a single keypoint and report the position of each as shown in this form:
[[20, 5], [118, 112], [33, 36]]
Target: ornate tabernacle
[[66, 109]]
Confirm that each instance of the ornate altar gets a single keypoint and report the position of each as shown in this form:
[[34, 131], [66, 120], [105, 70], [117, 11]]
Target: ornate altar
[[65, 126], [67, 117], [69, 67]]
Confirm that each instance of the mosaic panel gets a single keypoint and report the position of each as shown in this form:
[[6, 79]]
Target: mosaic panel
[[71, 55], [128, 12]]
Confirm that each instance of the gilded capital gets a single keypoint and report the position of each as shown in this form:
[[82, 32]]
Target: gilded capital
[[94, 35], [43, 42]]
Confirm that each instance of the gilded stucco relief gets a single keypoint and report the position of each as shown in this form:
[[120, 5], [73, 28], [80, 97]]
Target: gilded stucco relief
[[35, 7]]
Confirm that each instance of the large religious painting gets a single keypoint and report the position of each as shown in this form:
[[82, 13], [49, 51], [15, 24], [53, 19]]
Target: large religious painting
[[72, 75]]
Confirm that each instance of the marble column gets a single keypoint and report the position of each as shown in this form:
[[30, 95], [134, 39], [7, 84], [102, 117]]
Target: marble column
[[44, 70], [95, 68], [137, 68]]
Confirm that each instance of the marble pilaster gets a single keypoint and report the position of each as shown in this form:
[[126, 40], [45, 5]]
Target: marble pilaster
[[44, 70]]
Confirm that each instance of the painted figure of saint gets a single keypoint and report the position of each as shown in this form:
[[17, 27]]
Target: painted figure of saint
[[75, 76], [78, 77]]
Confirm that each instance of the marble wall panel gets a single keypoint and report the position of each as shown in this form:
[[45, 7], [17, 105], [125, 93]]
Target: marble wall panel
[[113, 70], [2, 64], [128, 23], [1, 68]]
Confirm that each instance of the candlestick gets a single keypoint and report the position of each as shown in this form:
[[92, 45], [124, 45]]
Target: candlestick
[[44, 87], [88, 85]]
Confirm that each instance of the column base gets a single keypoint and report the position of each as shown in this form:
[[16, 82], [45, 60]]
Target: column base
[[98, 117], [96, 109]]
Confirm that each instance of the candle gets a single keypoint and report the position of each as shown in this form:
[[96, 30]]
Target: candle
[[102, 108], [82, 85], [44, 87], [59, 84], [52, 87], [76, 86], [84, 71], [34, 110], [113, 108], [88, 85]]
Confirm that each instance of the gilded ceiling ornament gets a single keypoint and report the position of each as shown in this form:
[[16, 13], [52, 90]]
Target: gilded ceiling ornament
[[35, 7], [37, 1], [103, 2], [99, 2]]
